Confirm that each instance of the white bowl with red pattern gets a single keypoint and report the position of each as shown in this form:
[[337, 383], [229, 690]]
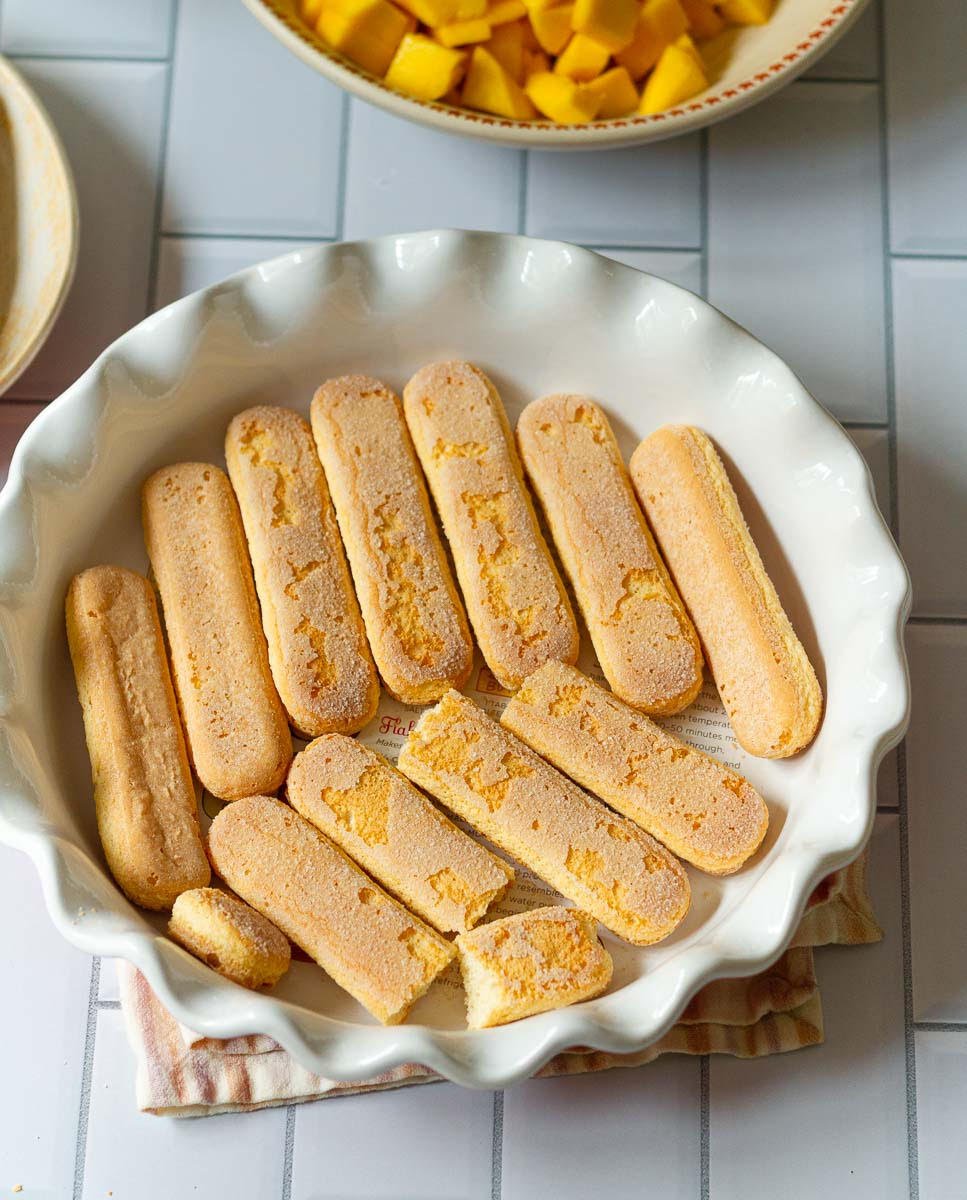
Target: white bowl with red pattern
[[749, 64]]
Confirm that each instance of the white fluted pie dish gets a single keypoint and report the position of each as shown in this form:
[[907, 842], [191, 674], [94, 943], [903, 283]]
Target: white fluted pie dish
[[537, 317]]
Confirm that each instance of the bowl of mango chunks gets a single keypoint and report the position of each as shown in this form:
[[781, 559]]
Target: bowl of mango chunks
[[577, 74]]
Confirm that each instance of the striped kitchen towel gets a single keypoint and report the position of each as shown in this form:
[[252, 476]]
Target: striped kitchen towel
[[181, 1074]]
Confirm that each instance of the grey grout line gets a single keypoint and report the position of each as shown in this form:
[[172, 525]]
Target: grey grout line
[[705, 1128], [848, 79], [940, 1026], [913, 1150], [342, 179], [41, 56], [108, 1004], [288, 1152], [159, 194], [297, 239], [497, 1148], [84, 1108], [928, 619], [703, 209], [928, 256], [910, 1052], [523, 181], [875, 425], [629, 247]]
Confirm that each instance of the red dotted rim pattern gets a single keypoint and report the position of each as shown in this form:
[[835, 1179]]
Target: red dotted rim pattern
[[282, 13]]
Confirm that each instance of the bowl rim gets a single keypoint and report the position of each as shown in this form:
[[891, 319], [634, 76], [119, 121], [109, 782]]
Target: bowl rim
[[708, 108], [343, 1050], [41, 331]]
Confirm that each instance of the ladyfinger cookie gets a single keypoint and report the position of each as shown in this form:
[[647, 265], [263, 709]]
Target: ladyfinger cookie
[[147, 814], [416, 624], [530, 963], [237, 733], [515, 598], [601, 861], [766, 681], [385, 957], [317, 644], [380, 819], [642, 635], [232, 938], [698, 808]]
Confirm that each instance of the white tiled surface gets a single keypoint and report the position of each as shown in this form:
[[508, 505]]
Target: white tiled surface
[[435, 1142], [830, 1121], [941, 1070], [795, 249], [938, 820], [236, 154]]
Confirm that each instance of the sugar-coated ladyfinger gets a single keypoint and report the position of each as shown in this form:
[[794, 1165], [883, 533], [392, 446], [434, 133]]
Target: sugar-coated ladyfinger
[[237, 733], [232, 938], [390, 828], [530, 963], [320, 660], [698, 808], [642, 635], [416, 624], [765, 679], [147, 814], [385, 957], [601, 861], [515, 598]]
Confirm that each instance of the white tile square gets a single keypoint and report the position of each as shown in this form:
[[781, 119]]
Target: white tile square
[[14, 419], [109, 116], [795, 237], [619, 1133], [677, 266], [874, 445], [187, 264], [648, 196], [941, 1104], [402, 177], [926, 127], [254, 136], [937, 820], [43, 1008], [131, 1154], [930, 315], [857, 54], [830, 1120], [115, 28], [432, 1141]]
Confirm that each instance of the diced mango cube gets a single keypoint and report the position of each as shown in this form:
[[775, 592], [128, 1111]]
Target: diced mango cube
[[490, 88], [610, 22], [310, 10], [677, 77], [424, 69], [660, 22], [462, 33], [747, 12], [552, 27], [507, 46], [563, 100], [502, 11], [704, 20], [367, 31], [468, 10], [618, 93], [431, 12], [685, 43], [582, 59]]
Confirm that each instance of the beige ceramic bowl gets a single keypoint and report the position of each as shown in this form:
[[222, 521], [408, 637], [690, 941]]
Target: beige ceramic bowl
[[38, 225], [746, 66]]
